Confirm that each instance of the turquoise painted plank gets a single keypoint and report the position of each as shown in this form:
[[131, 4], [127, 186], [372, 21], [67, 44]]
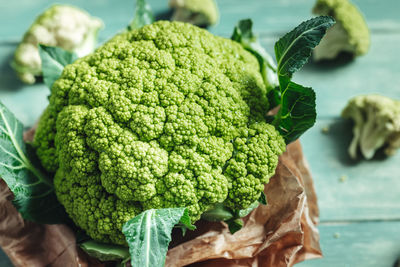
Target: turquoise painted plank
[[4, 261], [116, 15], [372, 244], [370, 190], [376, 72], [281, 16], [269, 16], [26, 102]]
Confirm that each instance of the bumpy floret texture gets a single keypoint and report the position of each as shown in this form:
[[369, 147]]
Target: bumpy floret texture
[[165, 116], [64, 26], [350, 33], [376, 124]]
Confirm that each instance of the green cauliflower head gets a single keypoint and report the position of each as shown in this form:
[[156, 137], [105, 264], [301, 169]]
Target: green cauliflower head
[[349, 34], [376, 124], [168, 115], [64, 26]]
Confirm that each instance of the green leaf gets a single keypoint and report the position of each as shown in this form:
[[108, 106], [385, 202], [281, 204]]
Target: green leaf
[[54, 59], [218, 213], [105, 252], [244, 35], [294, 48], [143, 15], [262, 199], [185, 223], [274, 97], [34, 195], [297, 112], [149, 233], [244, 212], [235, 225]]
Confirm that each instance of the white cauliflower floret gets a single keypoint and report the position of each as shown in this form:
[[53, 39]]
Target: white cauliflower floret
[[376, 124], [61, 25]]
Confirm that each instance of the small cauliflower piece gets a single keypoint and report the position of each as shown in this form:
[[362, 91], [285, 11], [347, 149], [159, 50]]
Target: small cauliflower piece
[[164, 116], [376, 124], [61, 25], [197, 12], [350, 33]]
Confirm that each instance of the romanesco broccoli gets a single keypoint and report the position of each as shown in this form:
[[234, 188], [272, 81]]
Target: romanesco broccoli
[[168, 115]]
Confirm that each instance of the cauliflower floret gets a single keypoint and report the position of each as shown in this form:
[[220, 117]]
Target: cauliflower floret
[[61, 25], [376, 124], [197, 12], [168, 115], [350, 33]]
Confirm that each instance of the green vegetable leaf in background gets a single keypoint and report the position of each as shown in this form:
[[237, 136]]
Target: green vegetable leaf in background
[[105, 252], [294, 48], [143, 15], [34, 195], [244, 35], [149, 233], [54, 59]]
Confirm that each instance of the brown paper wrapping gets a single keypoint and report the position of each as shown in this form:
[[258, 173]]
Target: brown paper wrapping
[[279, 234]]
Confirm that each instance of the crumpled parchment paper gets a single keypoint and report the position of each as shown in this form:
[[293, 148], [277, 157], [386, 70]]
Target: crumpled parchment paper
[[281, 233]]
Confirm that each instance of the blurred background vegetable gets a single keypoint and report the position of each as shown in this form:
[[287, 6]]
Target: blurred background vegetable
[[376, 124], [349, 35], [198, 12], [65, 26]]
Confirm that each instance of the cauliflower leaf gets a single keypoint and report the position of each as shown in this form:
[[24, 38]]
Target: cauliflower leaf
[[54, 59], [297, 103], [34, 196], [149, 233], [244, 35]]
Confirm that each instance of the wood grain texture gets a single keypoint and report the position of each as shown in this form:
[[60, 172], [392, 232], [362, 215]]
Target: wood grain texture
[[363, 211], [350, 190], [269, 16], [358, 245], [4, 261], [26, 102]]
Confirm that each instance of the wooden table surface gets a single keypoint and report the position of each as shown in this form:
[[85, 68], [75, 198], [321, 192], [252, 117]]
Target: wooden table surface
[[360, 216]]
